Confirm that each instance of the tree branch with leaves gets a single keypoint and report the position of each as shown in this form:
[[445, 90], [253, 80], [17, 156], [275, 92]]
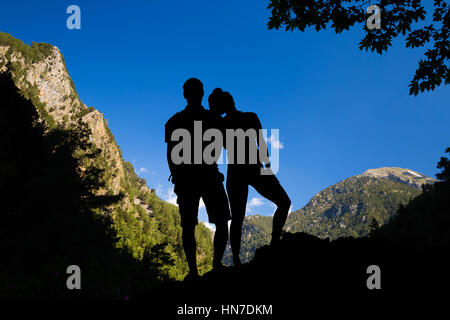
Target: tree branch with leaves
[[398, 18]]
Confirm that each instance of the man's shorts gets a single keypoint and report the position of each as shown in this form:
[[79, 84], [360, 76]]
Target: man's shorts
[[213, 194]]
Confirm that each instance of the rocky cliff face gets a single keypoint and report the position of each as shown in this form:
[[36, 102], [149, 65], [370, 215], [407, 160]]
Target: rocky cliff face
[[147, 227], [41, 75]]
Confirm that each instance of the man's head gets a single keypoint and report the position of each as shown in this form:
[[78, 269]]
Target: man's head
[[193, 91]]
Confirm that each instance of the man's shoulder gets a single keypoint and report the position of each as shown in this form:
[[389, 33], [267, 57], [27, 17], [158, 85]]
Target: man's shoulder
[[176, 120], [173, 123], [175, 117]]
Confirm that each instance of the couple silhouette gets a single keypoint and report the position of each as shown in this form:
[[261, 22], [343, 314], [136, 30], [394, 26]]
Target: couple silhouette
[[194, 179]]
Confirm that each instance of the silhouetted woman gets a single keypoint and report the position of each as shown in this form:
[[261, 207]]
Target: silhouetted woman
[[243, 171]]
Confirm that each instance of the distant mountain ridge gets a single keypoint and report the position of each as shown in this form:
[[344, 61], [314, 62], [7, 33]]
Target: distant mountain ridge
[[344, 209], [406, 176]]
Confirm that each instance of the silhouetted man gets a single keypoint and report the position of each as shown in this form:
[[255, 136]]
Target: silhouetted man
[[243, 172], [193, 178]]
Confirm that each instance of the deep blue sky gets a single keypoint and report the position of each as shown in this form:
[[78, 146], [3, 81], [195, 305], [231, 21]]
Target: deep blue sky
[[340, 110]]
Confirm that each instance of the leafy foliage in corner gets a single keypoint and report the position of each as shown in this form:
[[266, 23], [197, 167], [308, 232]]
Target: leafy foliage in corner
[[398, 18]]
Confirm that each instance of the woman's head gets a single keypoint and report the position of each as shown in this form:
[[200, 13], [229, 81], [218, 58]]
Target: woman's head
[[215, 101], [228, 102], [221, 101]]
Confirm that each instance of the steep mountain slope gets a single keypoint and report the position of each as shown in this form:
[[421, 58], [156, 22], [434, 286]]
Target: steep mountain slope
[[39, 71], [344, 209]]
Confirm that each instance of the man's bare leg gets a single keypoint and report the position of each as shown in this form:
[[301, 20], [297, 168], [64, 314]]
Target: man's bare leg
[[190, 249]]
